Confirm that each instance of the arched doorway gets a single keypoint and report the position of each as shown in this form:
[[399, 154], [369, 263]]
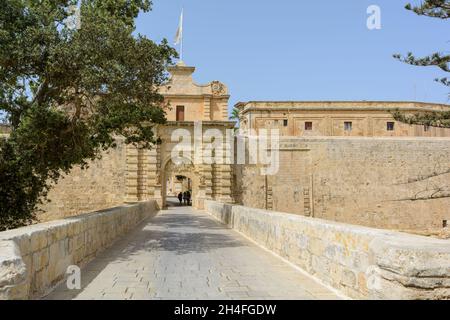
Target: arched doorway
[[179, 176], [177, 185]]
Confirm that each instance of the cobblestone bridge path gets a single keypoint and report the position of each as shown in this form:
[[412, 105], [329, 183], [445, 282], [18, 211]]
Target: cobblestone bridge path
[[185, 254]]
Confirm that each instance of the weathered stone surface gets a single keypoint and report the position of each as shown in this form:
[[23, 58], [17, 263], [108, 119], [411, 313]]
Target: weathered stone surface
[[13, 272], [361, 262], [327, 118], [391, 183], [101, 186], [35, 258], [201, 259]]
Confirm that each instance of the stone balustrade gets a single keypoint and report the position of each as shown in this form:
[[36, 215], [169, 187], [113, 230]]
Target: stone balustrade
[[34, 259], [360, 262]]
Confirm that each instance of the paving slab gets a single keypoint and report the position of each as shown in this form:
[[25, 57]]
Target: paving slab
[[185, 254]]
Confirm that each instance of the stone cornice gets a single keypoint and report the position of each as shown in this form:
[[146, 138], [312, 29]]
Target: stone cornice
[[351, 105], [226, 124], [196, 96], [354, 106]]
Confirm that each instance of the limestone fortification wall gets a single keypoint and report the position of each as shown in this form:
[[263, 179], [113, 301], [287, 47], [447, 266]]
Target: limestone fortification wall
[[360, 262], [103, 185], [392, 183], [34, 259]]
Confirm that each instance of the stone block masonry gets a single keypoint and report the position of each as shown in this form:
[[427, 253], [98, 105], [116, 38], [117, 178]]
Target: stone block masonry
[[34, 259], [360, 262], [101, 186], [399, 184]]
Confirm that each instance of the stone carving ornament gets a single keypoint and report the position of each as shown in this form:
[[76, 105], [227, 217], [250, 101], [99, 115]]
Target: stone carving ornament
[[218, 88]]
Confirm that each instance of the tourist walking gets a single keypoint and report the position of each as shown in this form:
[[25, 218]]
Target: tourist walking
[[188, 196]]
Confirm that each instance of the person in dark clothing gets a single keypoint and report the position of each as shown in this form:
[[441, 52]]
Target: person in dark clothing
[[188, 197], [185, 197], [180, 197]]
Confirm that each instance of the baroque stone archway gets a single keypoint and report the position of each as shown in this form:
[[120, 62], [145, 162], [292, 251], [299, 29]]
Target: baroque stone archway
[[183, 168], [147, 170]]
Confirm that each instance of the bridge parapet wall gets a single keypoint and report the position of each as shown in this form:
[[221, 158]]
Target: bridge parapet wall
[[360, 262], [34, 259]]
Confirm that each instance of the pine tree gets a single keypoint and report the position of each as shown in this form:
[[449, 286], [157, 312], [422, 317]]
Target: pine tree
[[439, 9]]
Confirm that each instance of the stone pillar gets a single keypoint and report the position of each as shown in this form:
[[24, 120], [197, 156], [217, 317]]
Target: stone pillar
[[226, 173], [158, 194], [215, 179], [206, 178], [132, 174], [207, 108], [224, 108], [225, 178], [143, 173], [152, 173]]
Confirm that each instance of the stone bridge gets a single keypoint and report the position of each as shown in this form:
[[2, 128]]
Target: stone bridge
[[185, 254], [224, 252]]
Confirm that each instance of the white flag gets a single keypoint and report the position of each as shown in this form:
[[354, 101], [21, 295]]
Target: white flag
[[179, 35]]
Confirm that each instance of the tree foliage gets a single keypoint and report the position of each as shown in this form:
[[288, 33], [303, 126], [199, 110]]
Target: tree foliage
[[67, 93], [435, 9], [235, 116], [432, 8]]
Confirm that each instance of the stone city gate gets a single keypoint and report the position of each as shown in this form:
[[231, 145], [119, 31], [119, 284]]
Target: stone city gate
[[183, 167], [148, 170]]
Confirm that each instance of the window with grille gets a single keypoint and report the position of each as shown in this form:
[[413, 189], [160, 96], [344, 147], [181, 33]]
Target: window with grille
[[308, 126], [348, 126], [390, 126]]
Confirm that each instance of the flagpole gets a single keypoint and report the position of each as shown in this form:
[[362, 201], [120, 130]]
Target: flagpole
[[181, 48], [179, 36], [182, 33]]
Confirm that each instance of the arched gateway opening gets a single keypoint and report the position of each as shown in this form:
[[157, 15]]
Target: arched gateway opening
[[178, 186], [180, 176]]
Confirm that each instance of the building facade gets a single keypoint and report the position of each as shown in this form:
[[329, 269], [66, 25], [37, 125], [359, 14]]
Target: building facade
[[152, 174], [334, 118], [342, 161]]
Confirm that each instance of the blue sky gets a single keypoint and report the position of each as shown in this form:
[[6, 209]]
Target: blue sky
[[304, 50]]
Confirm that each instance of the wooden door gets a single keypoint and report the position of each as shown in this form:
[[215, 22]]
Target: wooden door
[[180, 113]]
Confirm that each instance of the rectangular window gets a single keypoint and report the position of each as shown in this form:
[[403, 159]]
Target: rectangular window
[[285, 123], [180, 113], [308, 126], [348, 126], [390, 126]]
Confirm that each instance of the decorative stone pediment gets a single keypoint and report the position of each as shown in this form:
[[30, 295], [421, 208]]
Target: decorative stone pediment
[[181, 83]]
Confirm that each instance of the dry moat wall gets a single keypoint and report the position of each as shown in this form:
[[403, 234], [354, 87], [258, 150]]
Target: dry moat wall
[[390, 183]]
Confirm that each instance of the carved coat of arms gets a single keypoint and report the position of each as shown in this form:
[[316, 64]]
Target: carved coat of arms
[[218, 88]]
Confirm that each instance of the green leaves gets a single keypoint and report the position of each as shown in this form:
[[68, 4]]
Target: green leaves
[[432, 8], [431, 119], [436, 59], [436, 9], [68, 92]]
